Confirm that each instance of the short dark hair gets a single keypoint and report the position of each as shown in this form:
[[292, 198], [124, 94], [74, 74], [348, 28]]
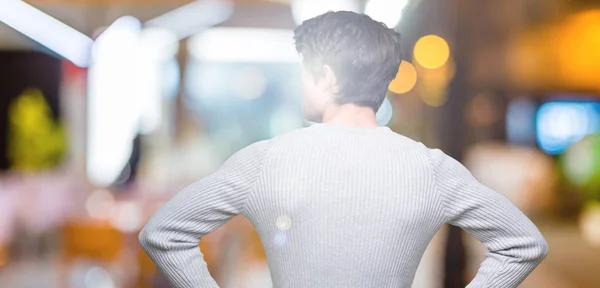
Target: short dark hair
[[364, 54]]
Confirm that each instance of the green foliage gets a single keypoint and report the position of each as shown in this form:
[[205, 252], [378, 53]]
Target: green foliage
[[581, 166]]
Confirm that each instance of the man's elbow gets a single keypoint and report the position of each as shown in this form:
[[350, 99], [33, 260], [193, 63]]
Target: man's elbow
[[149, 239], [541, 249]]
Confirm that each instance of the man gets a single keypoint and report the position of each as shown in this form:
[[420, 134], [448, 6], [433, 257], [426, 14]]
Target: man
[[343, 203]]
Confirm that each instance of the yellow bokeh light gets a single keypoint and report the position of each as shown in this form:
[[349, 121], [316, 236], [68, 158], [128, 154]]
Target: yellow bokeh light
[[560, 55], [433, 83], [577, 50], [434, 96], [405, 79], [438, 76], [431, 51]]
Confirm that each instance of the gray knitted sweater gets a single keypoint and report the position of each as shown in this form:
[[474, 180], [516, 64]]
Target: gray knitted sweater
[[339, 206]]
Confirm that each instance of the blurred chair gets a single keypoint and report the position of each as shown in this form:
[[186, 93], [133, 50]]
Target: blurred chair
[[88, 240]]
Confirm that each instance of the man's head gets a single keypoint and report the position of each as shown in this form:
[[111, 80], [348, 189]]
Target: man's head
[[348, 58]]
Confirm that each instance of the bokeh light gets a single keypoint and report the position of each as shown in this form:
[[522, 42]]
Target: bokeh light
[[433, 96], [559, 124], [432, 86], [385, 113], [577, 50], [283, 222], [98, 277], [579, 161], [283, 120], [48, 31], [387, 11], [405, 79], [431, 51], [483, 111], [560, 55], [280, 238], [520, 121], [158, 43], [305, 9], [581, 166], [589, 224], [114, 109], [100, 204], [249, 83], [244, 45], [86, 273], [127, 217], [171, 75]]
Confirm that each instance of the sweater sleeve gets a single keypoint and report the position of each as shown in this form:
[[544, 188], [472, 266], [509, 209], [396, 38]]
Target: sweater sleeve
[[515, 245], [172, 235]]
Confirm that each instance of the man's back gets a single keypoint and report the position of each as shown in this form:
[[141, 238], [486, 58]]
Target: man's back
[[344, 207], [340, 206]]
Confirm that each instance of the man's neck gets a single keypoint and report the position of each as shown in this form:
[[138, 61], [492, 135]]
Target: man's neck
[[350, 115]]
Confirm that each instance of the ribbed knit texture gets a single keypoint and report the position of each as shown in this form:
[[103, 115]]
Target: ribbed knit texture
[[337, 206]]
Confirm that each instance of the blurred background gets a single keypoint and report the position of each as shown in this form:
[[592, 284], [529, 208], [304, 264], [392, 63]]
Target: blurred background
[[109, 107]]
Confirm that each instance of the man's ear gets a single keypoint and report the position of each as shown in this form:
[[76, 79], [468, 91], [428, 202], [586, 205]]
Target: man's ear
[[330, 80]]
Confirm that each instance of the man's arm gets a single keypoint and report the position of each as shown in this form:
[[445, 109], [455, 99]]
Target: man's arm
[[172, 235], [515, 244]]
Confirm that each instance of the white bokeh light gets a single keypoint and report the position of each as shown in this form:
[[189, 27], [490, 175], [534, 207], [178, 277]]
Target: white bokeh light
[[283, 222], [98, 277], [306, 9], [112, 117], [46, 30], [126, 81], [158, 43], [250, 83], [156, 46], [387, 11], [127, 217], [254, 45], [100, 204]]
